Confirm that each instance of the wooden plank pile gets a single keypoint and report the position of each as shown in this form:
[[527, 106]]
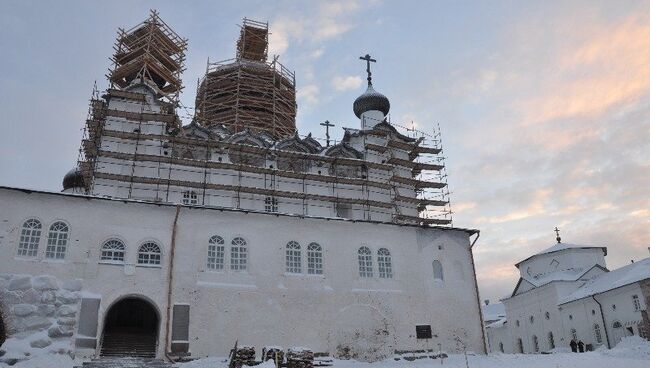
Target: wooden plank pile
[[242, 355], [273, 353], [300, 358]]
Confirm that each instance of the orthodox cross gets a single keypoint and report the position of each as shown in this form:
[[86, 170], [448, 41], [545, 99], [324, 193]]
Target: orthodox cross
[[557, 234], [327, 126], [368, 60]]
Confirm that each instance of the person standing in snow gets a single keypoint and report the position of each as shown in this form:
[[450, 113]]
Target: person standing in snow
[[574, 345], [581, 346]]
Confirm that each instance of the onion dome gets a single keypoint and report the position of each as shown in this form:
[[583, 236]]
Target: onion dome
[[371, 100], [73, 179]]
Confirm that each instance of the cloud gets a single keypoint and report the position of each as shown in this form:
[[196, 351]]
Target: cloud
[[346, 83], [309, 94]]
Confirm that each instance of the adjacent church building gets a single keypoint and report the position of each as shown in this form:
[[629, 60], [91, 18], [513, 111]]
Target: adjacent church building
[[565, 293], [174, 240]]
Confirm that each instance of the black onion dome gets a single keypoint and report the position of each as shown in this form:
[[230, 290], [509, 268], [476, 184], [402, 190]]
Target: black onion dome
[[73, 179], [371, 100]]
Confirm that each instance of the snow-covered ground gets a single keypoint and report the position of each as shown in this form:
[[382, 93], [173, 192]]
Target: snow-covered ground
[[632, 352]]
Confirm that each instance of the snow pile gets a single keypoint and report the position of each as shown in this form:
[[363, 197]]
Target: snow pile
[[39, 313], [630, 347]]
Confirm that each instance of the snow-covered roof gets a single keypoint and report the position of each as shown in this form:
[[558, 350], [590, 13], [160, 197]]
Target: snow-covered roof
[[493, 312], [626, 275], [560, 247]]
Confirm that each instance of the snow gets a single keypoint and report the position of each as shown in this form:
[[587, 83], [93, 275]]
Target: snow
[[611, 280], [562, 246]]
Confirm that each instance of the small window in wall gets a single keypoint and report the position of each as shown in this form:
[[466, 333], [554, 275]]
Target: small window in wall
[[190, 197], [574, 334], [30, 236], [597, 335], [547, 315], [617, 324], [551, 341], [437, 270], [501, 347], [636, 302], [271, 204], [365, 262], [535, 344], [112, 251], [57, 241], [216, 253], [570, 317], [238, 255], [517, 323], [314, 259], [520, 346], [343, 210], [293, 257], [531, 319], [385, 264], [149, 254], [613, 306]]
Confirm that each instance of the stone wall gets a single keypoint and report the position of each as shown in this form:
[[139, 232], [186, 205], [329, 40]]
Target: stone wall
[[40, 314]]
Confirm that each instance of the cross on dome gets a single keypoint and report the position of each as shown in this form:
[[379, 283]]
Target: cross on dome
[[557, 235], [368, 60]]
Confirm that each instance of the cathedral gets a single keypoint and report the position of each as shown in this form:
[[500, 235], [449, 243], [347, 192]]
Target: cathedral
[[172, 240]]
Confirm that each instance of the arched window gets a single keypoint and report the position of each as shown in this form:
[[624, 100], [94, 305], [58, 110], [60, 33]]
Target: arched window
[[597, 335], [385, 264], [57, 241], [574, 334], [531, 319], [551, 341], [293, 257], [112, 251], [365, 262], [314, 259], [501, 347], [617, 324], [271, 204], [238, 259], [535, 344], [216, 252], [30, 236], [520, 346], [149, 254], [437, 270]]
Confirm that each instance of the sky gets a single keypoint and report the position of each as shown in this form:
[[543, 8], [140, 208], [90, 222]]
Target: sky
[[544, 107]]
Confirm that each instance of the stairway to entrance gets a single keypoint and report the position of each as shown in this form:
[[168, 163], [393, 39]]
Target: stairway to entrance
[[125, 342], [125, 362]]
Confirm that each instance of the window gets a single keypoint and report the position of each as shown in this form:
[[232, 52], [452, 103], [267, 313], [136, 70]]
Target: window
[[437, 270], [149, 254], [551, 341], [343, 210], [238, 254], [574, 334], [617, 324], [531, 319], [271, 204], [535, 344], [636, 302], [216, 252], [314, 259], [613, 306], [30, 235], [570, 317], [365, 262], [599, 338], [593, 312], [190, 197], [112, 251], [517, 323], [57, 241], [547, 315], [520, 346], [385, 264], [501, 347], [293, 257]]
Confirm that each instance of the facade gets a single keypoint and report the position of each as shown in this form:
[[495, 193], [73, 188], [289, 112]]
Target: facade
[[566, 292], [181, 240]]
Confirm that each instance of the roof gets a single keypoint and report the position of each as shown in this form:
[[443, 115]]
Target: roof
[[620, 277], [565, 275], [560, 247], [493, 312]]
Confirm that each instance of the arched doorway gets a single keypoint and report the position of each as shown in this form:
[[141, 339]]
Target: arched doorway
[[131, 329]]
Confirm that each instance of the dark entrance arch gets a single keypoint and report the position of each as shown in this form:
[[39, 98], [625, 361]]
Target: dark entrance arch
[[3, 331], [131, 329]]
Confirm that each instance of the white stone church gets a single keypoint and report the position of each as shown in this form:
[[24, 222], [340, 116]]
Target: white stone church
[[565, 293], [173, 240]]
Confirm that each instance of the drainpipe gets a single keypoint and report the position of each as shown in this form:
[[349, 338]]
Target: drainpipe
[[478, 298], [602, 316], [170, 278]]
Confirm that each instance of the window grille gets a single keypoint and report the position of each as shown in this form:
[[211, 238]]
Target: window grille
[[216, 252], [112, 251], [238, 253], [190, 197], [57, 241], [293, 257], [365, 262], [314, 259], [271, 204], [385, 264], [149, 254], [30, 236]]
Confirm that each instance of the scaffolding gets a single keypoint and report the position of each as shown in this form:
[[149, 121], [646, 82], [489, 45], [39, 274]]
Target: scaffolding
[[150, 52], [249, 92]]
